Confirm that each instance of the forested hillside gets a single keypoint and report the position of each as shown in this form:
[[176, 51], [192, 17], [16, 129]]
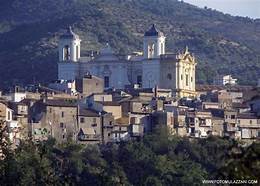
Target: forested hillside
[[29, 31], [158, 159]]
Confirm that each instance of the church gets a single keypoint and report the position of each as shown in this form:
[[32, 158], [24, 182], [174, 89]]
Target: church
[[153, 67]]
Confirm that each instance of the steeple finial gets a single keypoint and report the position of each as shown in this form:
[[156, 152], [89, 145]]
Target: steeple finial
[[186, 49]]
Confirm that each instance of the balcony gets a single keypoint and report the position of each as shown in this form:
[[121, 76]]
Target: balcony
[[231, 129], [204, 124], [87, 137], [254, 126]]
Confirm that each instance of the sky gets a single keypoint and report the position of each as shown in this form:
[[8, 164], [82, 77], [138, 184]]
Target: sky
[[250, 8]]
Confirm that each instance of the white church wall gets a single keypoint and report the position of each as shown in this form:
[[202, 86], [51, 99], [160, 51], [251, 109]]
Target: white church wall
[[68, 71], [151, 73]]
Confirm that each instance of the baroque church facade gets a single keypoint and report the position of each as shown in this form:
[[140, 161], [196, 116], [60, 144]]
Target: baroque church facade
[[154, 67]]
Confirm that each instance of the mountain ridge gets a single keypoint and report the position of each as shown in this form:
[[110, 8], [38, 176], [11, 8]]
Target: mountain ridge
[[28, 38]]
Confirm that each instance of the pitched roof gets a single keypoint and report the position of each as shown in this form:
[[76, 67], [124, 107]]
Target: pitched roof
[[246, 116], [88, 131], [88, 113], [61, 102], [108, 103], [153, 31], [235, 88]]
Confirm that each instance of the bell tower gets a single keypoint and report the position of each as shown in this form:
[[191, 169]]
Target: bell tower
[[154, 43], [69, 46]]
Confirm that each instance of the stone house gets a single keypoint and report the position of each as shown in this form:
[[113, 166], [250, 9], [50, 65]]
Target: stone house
[[55, 117], [230, 123], [199, 123], [94, 126], [248, 125]]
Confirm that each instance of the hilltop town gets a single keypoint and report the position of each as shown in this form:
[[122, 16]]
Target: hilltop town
[[106, 98]]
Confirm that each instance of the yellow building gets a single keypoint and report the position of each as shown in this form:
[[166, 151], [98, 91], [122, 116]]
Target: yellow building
[[178, 73]]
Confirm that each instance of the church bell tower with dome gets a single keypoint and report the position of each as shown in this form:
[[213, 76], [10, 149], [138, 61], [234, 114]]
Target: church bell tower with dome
[[153, 43], [69, 46], [69, 55]]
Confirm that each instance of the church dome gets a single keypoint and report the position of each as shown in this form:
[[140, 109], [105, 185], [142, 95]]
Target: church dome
[[107, 50], [153, 31], [69, 34]]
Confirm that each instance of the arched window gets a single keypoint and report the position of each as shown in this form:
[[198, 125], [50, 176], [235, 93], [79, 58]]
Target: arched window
[[150, 50], [162, 48], [66, 52], [187, 80], [106, 81]]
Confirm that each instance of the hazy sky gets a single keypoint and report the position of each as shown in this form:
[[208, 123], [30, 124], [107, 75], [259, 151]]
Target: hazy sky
[[250, 8]]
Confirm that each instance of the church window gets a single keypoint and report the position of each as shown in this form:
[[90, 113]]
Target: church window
[[169, 76], [187, 80], [77, 52], [150, 50], [106, 81], [66, 52], [139, 80]]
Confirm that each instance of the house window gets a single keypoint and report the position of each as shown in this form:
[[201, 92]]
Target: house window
[[61, 125], [82, 120], [233, 117], [110, 123], [250, 121], [187, 80], [181, 77], [66, 52], [139, 80], [191, 79], [50, 110], [106, 81], [62, 114], [94, 125], [108, 134]]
